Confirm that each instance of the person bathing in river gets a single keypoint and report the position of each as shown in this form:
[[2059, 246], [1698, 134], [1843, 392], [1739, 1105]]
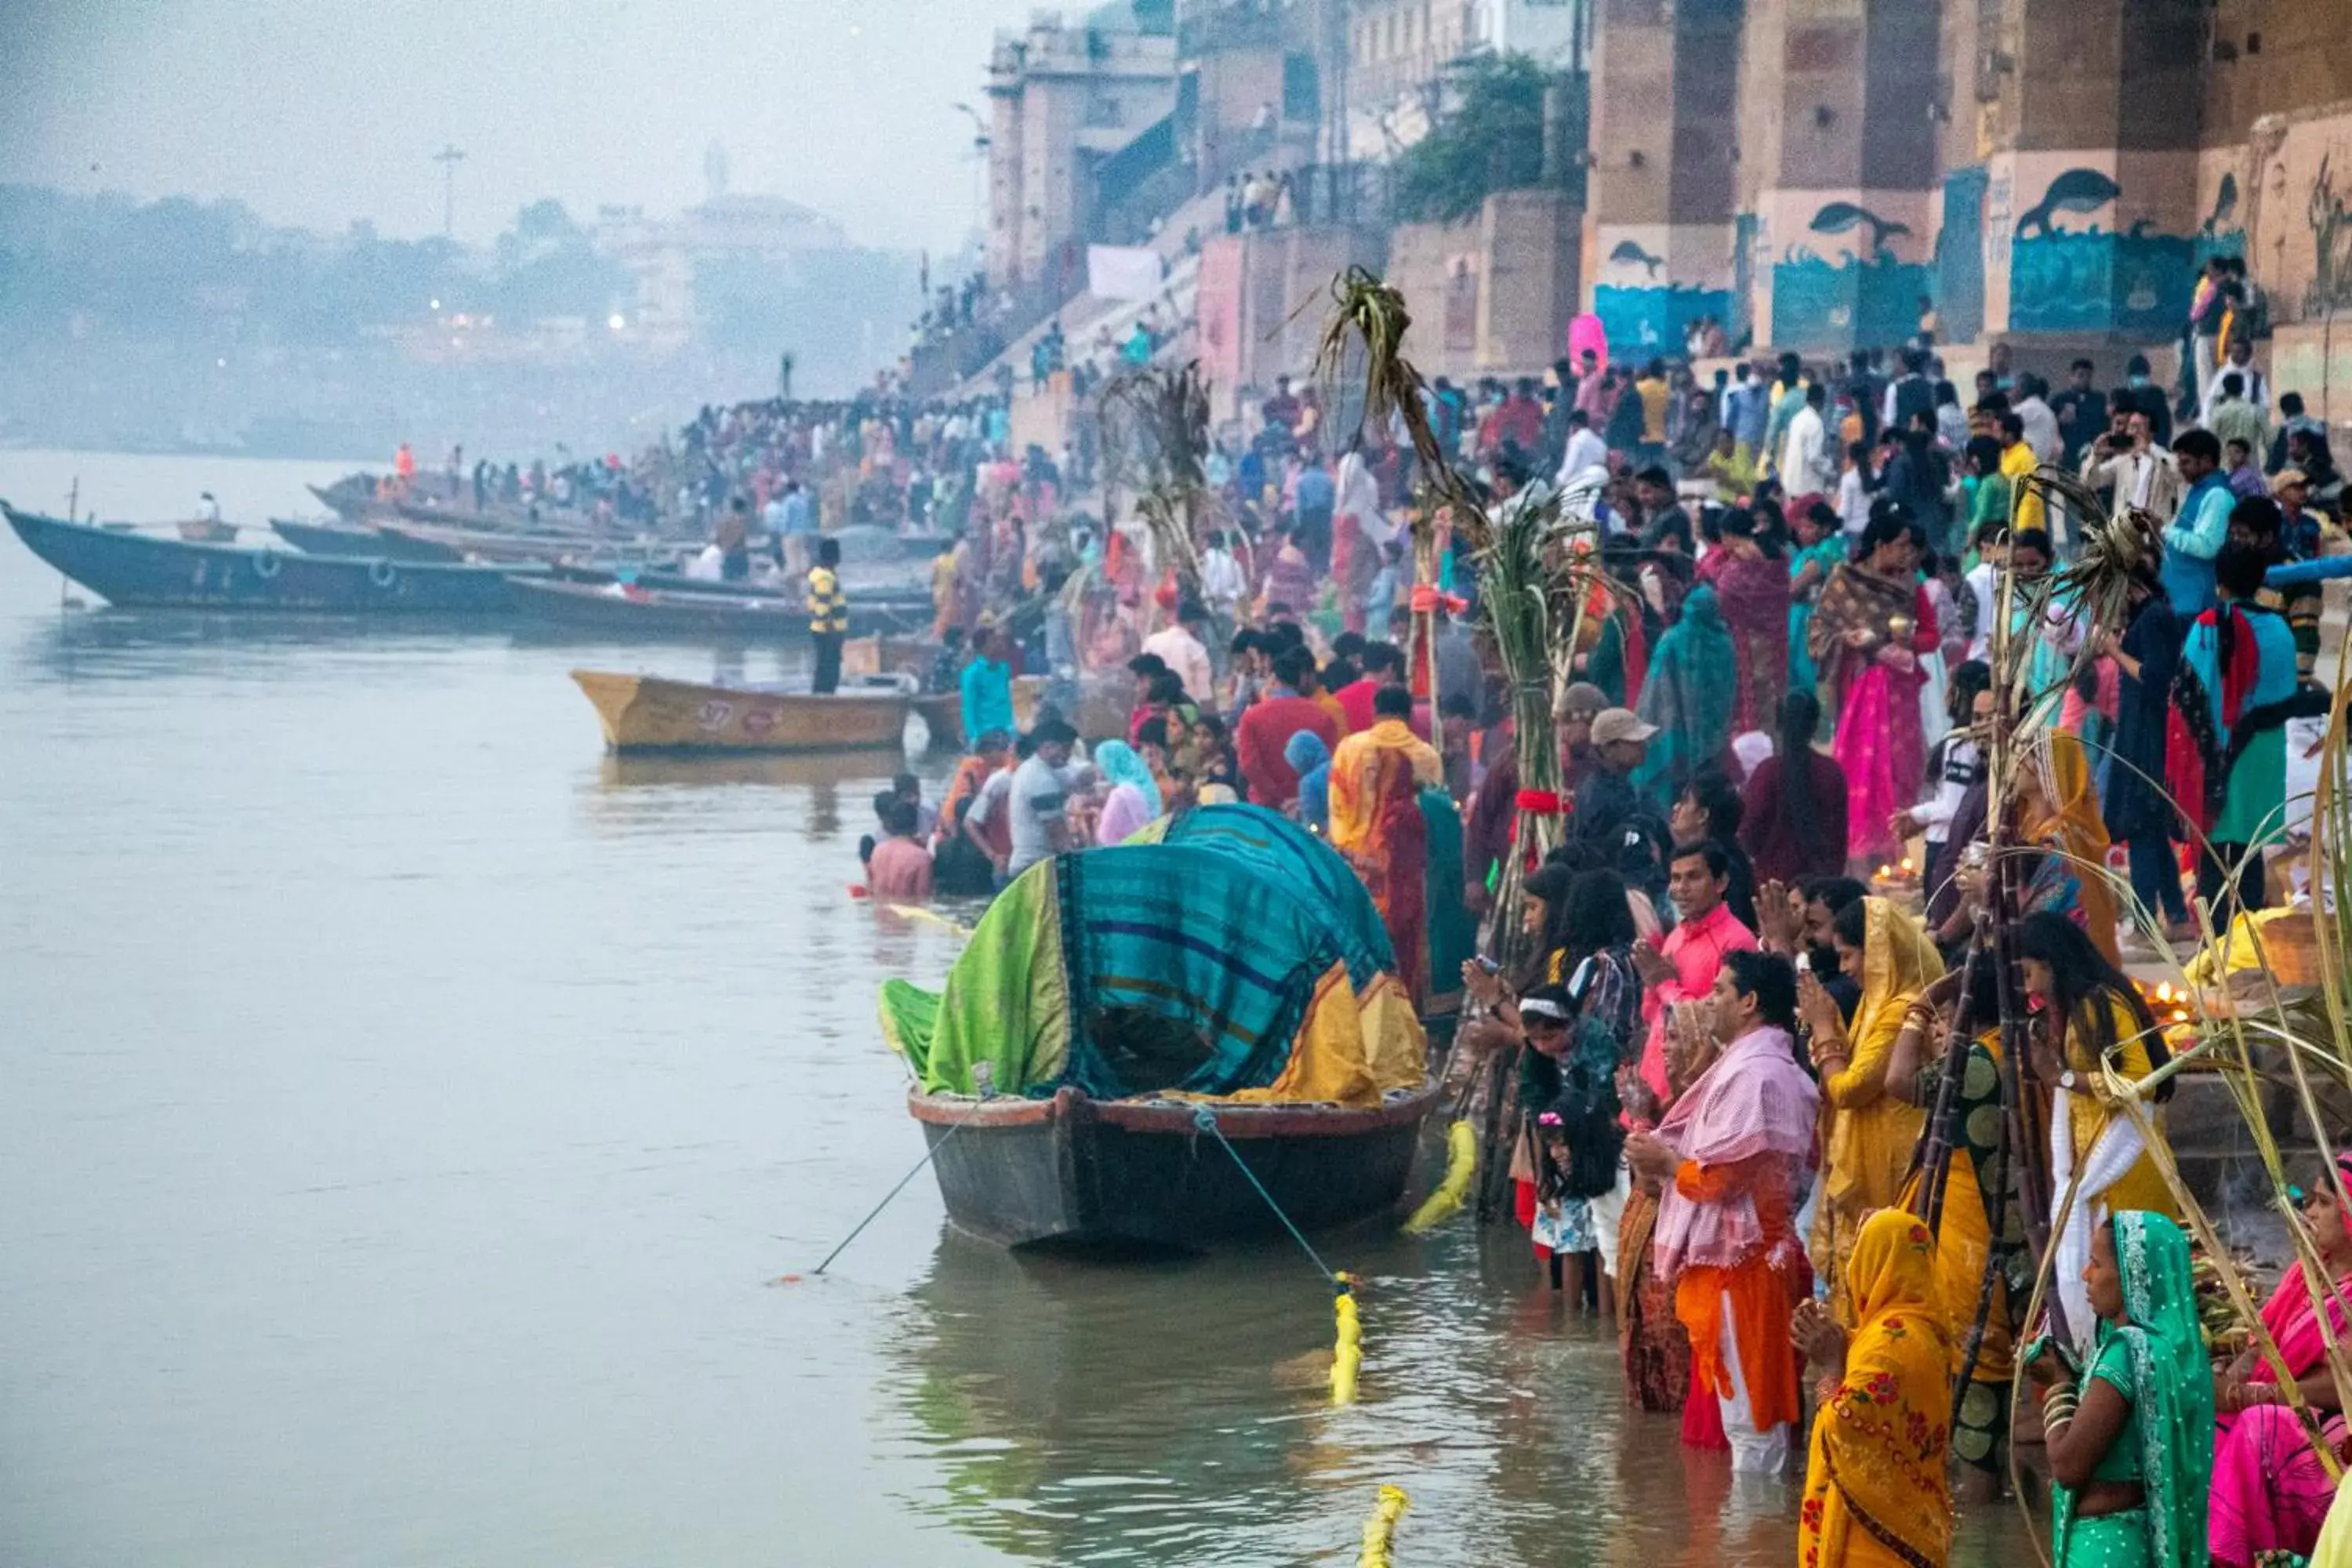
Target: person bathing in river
[[899, 870], [1733, 1155]]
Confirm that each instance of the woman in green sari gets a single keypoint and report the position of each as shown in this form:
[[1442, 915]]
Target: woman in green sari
[[2131, 1438], [1821, 545]]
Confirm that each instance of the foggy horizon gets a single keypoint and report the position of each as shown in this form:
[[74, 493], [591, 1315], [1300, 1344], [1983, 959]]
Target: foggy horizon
[[337, 119]]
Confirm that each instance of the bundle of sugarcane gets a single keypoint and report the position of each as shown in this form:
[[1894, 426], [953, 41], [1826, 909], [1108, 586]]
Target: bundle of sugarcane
[[1155, 438], [1523, 594], [1366, 330]]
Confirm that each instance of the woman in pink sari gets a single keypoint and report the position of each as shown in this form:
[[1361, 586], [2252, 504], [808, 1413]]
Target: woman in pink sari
[[2270, 1491], [1751, 589], [1872, 624]]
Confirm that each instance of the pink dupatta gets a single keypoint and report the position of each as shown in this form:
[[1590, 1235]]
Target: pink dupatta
[[1755, 1100]]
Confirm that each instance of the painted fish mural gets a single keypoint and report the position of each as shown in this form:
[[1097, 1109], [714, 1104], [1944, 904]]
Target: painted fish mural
[[2225, 202], [1630, 252], [2075, 190], [1838, 217]]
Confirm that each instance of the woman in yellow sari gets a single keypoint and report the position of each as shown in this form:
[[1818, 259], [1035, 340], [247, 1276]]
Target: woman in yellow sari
[[1874, 1485], [2059, 811], [1376, 777], [1868, 1131]]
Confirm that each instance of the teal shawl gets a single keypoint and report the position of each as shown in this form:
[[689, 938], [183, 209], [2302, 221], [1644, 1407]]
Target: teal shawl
[[1689, 693]]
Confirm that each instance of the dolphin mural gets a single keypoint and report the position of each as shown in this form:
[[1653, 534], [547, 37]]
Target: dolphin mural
[[1629, 251], [2225, 202], [1837, 217], [2075, 190]]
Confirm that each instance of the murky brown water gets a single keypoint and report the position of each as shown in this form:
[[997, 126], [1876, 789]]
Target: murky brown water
[[406, 1107]]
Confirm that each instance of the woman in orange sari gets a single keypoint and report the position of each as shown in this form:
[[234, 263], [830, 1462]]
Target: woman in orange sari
[[1875, 1491], [1377, 776]]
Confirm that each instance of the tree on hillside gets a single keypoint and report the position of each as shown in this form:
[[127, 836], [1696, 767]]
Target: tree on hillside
[[1490, 139]]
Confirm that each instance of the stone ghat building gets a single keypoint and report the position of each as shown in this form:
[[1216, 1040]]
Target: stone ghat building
[[1828, 173], [1822, 175]]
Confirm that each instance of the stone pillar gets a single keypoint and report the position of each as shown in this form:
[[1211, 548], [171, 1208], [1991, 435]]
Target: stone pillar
[[1661, 192], [2091, 131], [1838, 139]]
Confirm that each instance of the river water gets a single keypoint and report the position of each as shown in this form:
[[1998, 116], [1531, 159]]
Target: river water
[[410, 1112]]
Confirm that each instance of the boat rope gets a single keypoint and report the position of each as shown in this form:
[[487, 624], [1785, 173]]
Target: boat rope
[[1380, 1530], [1347, 1347], [928, 1155], [1205, 1120]]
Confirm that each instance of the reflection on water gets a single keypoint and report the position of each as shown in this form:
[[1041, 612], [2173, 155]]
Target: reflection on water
[[408, 1103]]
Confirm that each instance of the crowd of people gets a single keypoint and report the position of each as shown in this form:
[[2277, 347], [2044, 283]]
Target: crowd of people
[[1747, 953]]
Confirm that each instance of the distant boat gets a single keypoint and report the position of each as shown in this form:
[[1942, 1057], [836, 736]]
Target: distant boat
[[347, 539], [647, 713], [139, 570], [702, 611]]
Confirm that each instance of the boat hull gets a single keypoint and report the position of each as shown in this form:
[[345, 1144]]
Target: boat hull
[[1072, 1171], [338, 539], [703, 617], [643, 714], [138, 571], [942, 716]]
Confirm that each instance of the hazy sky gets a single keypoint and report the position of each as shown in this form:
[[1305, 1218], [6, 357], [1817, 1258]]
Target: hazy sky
[[317, 111]]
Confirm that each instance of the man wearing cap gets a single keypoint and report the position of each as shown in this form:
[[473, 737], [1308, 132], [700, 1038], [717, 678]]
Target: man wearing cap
[[2299, 539], [1580, 705], [1606, 800]]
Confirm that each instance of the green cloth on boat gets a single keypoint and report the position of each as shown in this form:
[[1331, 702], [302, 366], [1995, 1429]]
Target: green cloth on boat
[[1004, 1003], [1212, 968]]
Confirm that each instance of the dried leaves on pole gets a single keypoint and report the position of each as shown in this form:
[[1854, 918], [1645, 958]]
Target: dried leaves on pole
[[1155, 426]]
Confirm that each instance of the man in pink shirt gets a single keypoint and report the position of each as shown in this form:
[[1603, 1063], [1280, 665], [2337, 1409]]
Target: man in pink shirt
[[1683, 969], [900, 869]]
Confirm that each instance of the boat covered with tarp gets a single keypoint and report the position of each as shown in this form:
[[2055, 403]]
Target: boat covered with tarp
[[1227, 960]]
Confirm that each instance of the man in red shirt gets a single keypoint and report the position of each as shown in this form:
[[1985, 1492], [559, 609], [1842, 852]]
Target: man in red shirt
[[1519, 420], [1382, 665], [1267, 724]]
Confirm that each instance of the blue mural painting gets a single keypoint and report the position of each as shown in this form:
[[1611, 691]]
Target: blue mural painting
[[1865, 297], [1960, 256], [2137, 281], [1654, 316]]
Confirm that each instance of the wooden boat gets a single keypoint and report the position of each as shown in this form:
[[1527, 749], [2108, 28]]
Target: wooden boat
[[647, 713], [345, 539], [203, 531], [701, 613], [131, 569], [942, 716], [1075, 1170]]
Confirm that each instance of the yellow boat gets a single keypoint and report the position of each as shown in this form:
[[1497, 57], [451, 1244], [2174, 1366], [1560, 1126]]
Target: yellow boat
[[647, 713]]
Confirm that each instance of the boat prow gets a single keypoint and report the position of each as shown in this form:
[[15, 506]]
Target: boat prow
[[1072, 1171], [648, 713]]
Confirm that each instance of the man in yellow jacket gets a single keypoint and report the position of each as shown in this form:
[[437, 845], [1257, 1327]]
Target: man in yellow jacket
[[828, 611]]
